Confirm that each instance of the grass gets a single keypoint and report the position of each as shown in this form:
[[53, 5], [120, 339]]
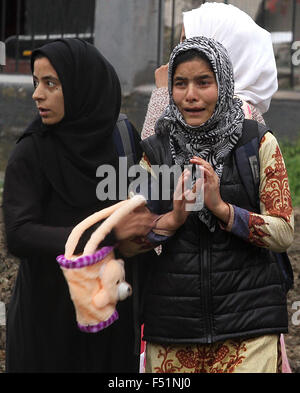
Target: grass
[[291, 155]]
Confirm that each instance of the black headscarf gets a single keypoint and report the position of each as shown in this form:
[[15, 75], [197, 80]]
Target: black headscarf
[[72, 149]]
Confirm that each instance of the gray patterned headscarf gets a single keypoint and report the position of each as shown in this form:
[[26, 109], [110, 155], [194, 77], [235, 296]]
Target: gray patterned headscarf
[[214, 139]]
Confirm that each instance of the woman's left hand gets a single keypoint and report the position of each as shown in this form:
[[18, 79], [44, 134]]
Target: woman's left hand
[[212, 197], [137, 223]]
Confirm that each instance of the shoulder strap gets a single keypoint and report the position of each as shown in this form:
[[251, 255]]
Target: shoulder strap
[[157, 149], [247, 158], [124, 141]]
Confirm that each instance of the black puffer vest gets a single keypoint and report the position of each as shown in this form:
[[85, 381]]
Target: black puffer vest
[[206, 287]]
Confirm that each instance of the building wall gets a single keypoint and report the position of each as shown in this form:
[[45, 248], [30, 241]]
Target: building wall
[[56, 16], [128, 37], [281, 19], [251, 7]]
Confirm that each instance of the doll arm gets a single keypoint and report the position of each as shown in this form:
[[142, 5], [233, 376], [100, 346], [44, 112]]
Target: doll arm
[[101, 299]]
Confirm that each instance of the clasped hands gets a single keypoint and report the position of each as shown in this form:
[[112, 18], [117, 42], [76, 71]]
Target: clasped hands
[[141, 221]]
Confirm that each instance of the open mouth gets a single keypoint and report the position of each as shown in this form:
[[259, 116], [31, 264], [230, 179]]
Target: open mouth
[[43, 111], [194, 110]]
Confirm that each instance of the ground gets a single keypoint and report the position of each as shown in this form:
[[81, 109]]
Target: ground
[[292, 339], [9, 266]]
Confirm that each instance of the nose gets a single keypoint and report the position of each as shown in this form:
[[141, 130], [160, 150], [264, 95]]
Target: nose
[[38, 93], [191, 93], [124, 290]]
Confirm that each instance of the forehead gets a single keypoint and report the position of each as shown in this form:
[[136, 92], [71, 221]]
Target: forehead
[[43, 66], [195, 65]]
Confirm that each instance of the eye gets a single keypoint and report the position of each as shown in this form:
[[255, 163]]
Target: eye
[[35, 83], [118, 282], [51, 84], [179, 83]]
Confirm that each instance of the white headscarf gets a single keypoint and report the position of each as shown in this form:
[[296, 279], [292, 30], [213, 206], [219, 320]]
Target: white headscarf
[[249, 46]]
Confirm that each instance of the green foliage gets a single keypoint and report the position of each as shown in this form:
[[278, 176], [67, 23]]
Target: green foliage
[[291, 155]]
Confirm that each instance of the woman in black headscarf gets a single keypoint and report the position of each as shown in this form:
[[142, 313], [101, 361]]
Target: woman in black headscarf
[[50, 186]]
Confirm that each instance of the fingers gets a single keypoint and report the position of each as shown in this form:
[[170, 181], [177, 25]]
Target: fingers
[[198, 185], [141, 209], [207, 168], [180, 187], [163, 68], [161, 76], [200, 161]]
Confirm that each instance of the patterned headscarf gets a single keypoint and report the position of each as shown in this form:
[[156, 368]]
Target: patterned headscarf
[[214, 139]]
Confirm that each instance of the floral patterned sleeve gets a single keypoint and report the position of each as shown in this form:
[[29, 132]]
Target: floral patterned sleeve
[[158, 102], [274, 227]]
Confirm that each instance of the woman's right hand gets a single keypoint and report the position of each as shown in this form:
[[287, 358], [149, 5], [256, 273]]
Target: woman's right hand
[[183, 200], [161, 76]]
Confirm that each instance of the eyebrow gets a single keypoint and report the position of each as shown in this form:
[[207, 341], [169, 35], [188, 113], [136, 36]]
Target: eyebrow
[[205, 76], [47, 77]]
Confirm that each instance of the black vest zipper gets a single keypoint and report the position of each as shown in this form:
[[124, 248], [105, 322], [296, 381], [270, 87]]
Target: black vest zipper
[[205, 284]]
